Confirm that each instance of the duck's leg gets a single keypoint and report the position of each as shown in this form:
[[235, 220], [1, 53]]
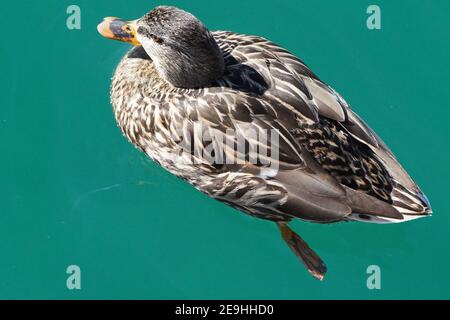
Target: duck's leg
[[310, 259]]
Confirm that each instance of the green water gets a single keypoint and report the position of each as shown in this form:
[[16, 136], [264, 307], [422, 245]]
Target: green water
[[74, 191]]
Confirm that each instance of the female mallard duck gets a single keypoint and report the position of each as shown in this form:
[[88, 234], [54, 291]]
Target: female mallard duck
[[330, 167]]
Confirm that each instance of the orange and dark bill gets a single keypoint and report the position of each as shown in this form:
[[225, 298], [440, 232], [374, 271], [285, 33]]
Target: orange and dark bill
[[119, 29]]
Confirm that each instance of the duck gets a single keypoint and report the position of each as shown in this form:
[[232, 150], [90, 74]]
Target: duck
[[180, 81]]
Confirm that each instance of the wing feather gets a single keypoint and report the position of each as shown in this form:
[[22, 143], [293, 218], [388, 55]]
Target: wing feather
[[297, 89]]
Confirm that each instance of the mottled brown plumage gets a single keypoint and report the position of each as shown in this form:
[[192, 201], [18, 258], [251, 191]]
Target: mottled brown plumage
[[332, 167]]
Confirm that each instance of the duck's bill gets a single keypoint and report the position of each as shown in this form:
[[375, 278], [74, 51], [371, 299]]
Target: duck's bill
[[119, 29]]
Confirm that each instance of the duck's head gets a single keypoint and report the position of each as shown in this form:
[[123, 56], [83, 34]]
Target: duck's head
[[181, 47]]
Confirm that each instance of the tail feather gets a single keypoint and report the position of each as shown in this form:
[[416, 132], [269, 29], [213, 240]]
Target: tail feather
[[410, 202]]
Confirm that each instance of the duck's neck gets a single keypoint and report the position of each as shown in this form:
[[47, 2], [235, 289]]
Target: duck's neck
[[191, 71]]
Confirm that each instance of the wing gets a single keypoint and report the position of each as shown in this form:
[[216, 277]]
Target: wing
[[332, 132], [282, 182]]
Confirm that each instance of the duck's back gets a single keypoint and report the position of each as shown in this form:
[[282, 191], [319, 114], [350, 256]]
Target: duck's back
[[329, 130]]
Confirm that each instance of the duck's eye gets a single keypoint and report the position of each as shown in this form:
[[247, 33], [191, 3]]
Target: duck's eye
[[140, 30], [156, 38]]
